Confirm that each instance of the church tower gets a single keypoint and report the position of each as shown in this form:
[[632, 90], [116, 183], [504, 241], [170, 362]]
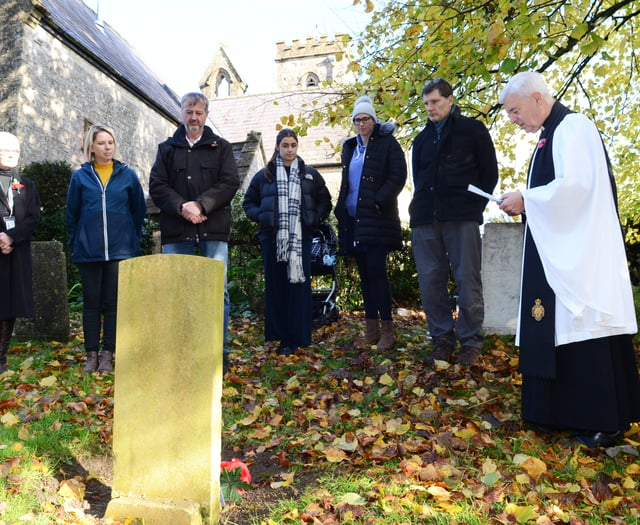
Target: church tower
[[308, 64]]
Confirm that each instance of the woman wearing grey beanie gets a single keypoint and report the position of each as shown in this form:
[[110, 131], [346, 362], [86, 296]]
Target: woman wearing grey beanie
[[374, 171]]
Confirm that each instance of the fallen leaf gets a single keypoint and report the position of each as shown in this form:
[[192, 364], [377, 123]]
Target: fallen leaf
[[534, 467], [9, 420], [348, 442], [287, 480], [353, 499], [386, 379], [439, 493], [48, 381], [334, 455], [72, 488]]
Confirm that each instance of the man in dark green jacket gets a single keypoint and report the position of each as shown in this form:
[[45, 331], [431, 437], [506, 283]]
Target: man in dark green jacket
[[451, 152]]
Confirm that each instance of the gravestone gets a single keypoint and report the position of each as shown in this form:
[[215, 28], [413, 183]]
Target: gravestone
[[501, 266], [168, 387], [50, 298]]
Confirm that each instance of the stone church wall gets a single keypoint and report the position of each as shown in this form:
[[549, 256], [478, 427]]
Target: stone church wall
[[59, 93], [11, 30]]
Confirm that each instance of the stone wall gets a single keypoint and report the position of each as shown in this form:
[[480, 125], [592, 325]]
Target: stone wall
[[53, 93], [11, 31]]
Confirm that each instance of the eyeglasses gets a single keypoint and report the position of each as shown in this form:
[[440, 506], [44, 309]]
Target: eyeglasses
[[9, 151], [362, 120]]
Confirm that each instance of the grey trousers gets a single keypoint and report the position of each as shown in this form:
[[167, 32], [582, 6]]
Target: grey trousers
[[437, 248]]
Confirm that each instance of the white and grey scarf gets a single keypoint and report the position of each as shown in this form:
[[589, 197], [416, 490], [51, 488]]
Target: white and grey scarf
[[289, 236]]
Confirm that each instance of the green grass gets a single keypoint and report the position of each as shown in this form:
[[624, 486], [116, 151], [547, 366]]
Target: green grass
[[433, 446], [51, 415]]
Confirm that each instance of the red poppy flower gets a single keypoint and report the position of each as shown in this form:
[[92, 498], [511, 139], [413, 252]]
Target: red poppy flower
[[15, 185], [233, 465]]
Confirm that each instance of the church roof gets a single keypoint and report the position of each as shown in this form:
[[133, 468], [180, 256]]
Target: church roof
[[237, 116], [78, 26]]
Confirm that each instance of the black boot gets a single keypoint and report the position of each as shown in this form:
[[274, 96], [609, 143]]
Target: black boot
[[6, 330]]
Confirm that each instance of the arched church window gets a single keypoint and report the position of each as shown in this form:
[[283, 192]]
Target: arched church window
[[312, 80], [223, 84]]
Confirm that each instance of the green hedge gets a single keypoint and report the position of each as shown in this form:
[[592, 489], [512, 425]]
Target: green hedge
[[52, 180]]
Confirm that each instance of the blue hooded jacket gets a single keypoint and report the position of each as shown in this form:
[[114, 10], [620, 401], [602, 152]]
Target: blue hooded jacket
[[105, 222]]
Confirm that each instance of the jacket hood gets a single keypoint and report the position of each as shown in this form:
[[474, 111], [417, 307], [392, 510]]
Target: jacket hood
[[117, 165], [380, 128], [387, 128]]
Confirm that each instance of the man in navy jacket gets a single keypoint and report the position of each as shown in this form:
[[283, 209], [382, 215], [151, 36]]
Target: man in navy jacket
[[451, 152]]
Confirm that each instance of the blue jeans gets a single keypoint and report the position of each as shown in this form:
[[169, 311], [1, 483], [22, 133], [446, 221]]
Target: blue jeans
[[218, 250]]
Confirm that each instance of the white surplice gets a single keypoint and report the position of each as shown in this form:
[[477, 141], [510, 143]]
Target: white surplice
[[576, 230]]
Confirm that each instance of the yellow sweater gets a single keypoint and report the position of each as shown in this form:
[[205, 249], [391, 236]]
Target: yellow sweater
[[104, 171]]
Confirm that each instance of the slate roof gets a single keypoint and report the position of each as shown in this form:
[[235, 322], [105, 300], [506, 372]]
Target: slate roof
[[237, 116], [75, 23]]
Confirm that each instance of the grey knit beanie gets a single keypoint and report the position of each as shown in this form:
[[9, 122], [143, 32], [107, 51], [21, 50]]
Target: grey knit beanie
[[363, 105]]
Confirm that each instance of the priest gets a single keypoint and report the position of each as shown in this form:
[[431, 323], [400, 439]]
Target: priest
[[577, 314]]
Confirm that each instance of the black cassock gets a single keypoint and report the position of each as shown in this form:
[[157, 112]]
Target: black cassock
[[588, 385]]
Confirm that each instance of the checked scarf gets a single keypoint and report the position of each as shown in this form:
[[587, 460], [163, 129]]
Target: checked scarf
[[289, 236]]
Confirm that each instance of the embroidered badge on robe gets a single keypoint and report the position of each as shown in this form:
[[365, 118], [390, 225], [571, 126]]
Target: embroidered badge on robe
[[537, 311]]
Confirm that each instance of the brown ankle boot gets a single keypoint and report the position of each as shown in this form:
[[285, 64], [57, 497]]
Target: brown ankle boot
[[106, 362], [387, 336], [92, 363], [372, 332]]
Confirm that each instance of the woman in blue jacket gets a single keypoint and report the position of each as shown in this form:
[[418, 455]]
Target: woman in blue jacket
[[288, 200], [105, 213]]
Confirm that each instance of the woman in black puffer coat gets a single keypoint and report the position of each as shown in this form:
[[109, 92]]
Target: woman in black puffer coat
[[374, 171], [288, 200]]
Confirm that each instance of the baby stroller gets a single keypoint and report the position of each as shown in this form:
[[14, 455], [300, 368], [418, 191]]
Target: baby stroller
[[324, 280]]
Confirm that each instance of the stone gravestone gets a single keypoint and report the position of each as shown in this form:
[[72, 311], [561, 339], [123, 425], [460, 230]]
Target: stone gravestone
[[501, 266], [168, 387], [50, 296]]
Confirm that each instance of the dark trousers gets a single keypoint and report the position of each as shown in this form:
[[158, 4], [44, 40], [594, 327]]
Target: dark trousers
[[288, 307], [376, 289], [100, 297], [436, 248]]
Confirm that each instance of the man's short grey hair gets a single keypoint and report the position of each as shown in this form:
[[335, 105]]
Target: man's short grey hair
[[193, 98], [526, 83]]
